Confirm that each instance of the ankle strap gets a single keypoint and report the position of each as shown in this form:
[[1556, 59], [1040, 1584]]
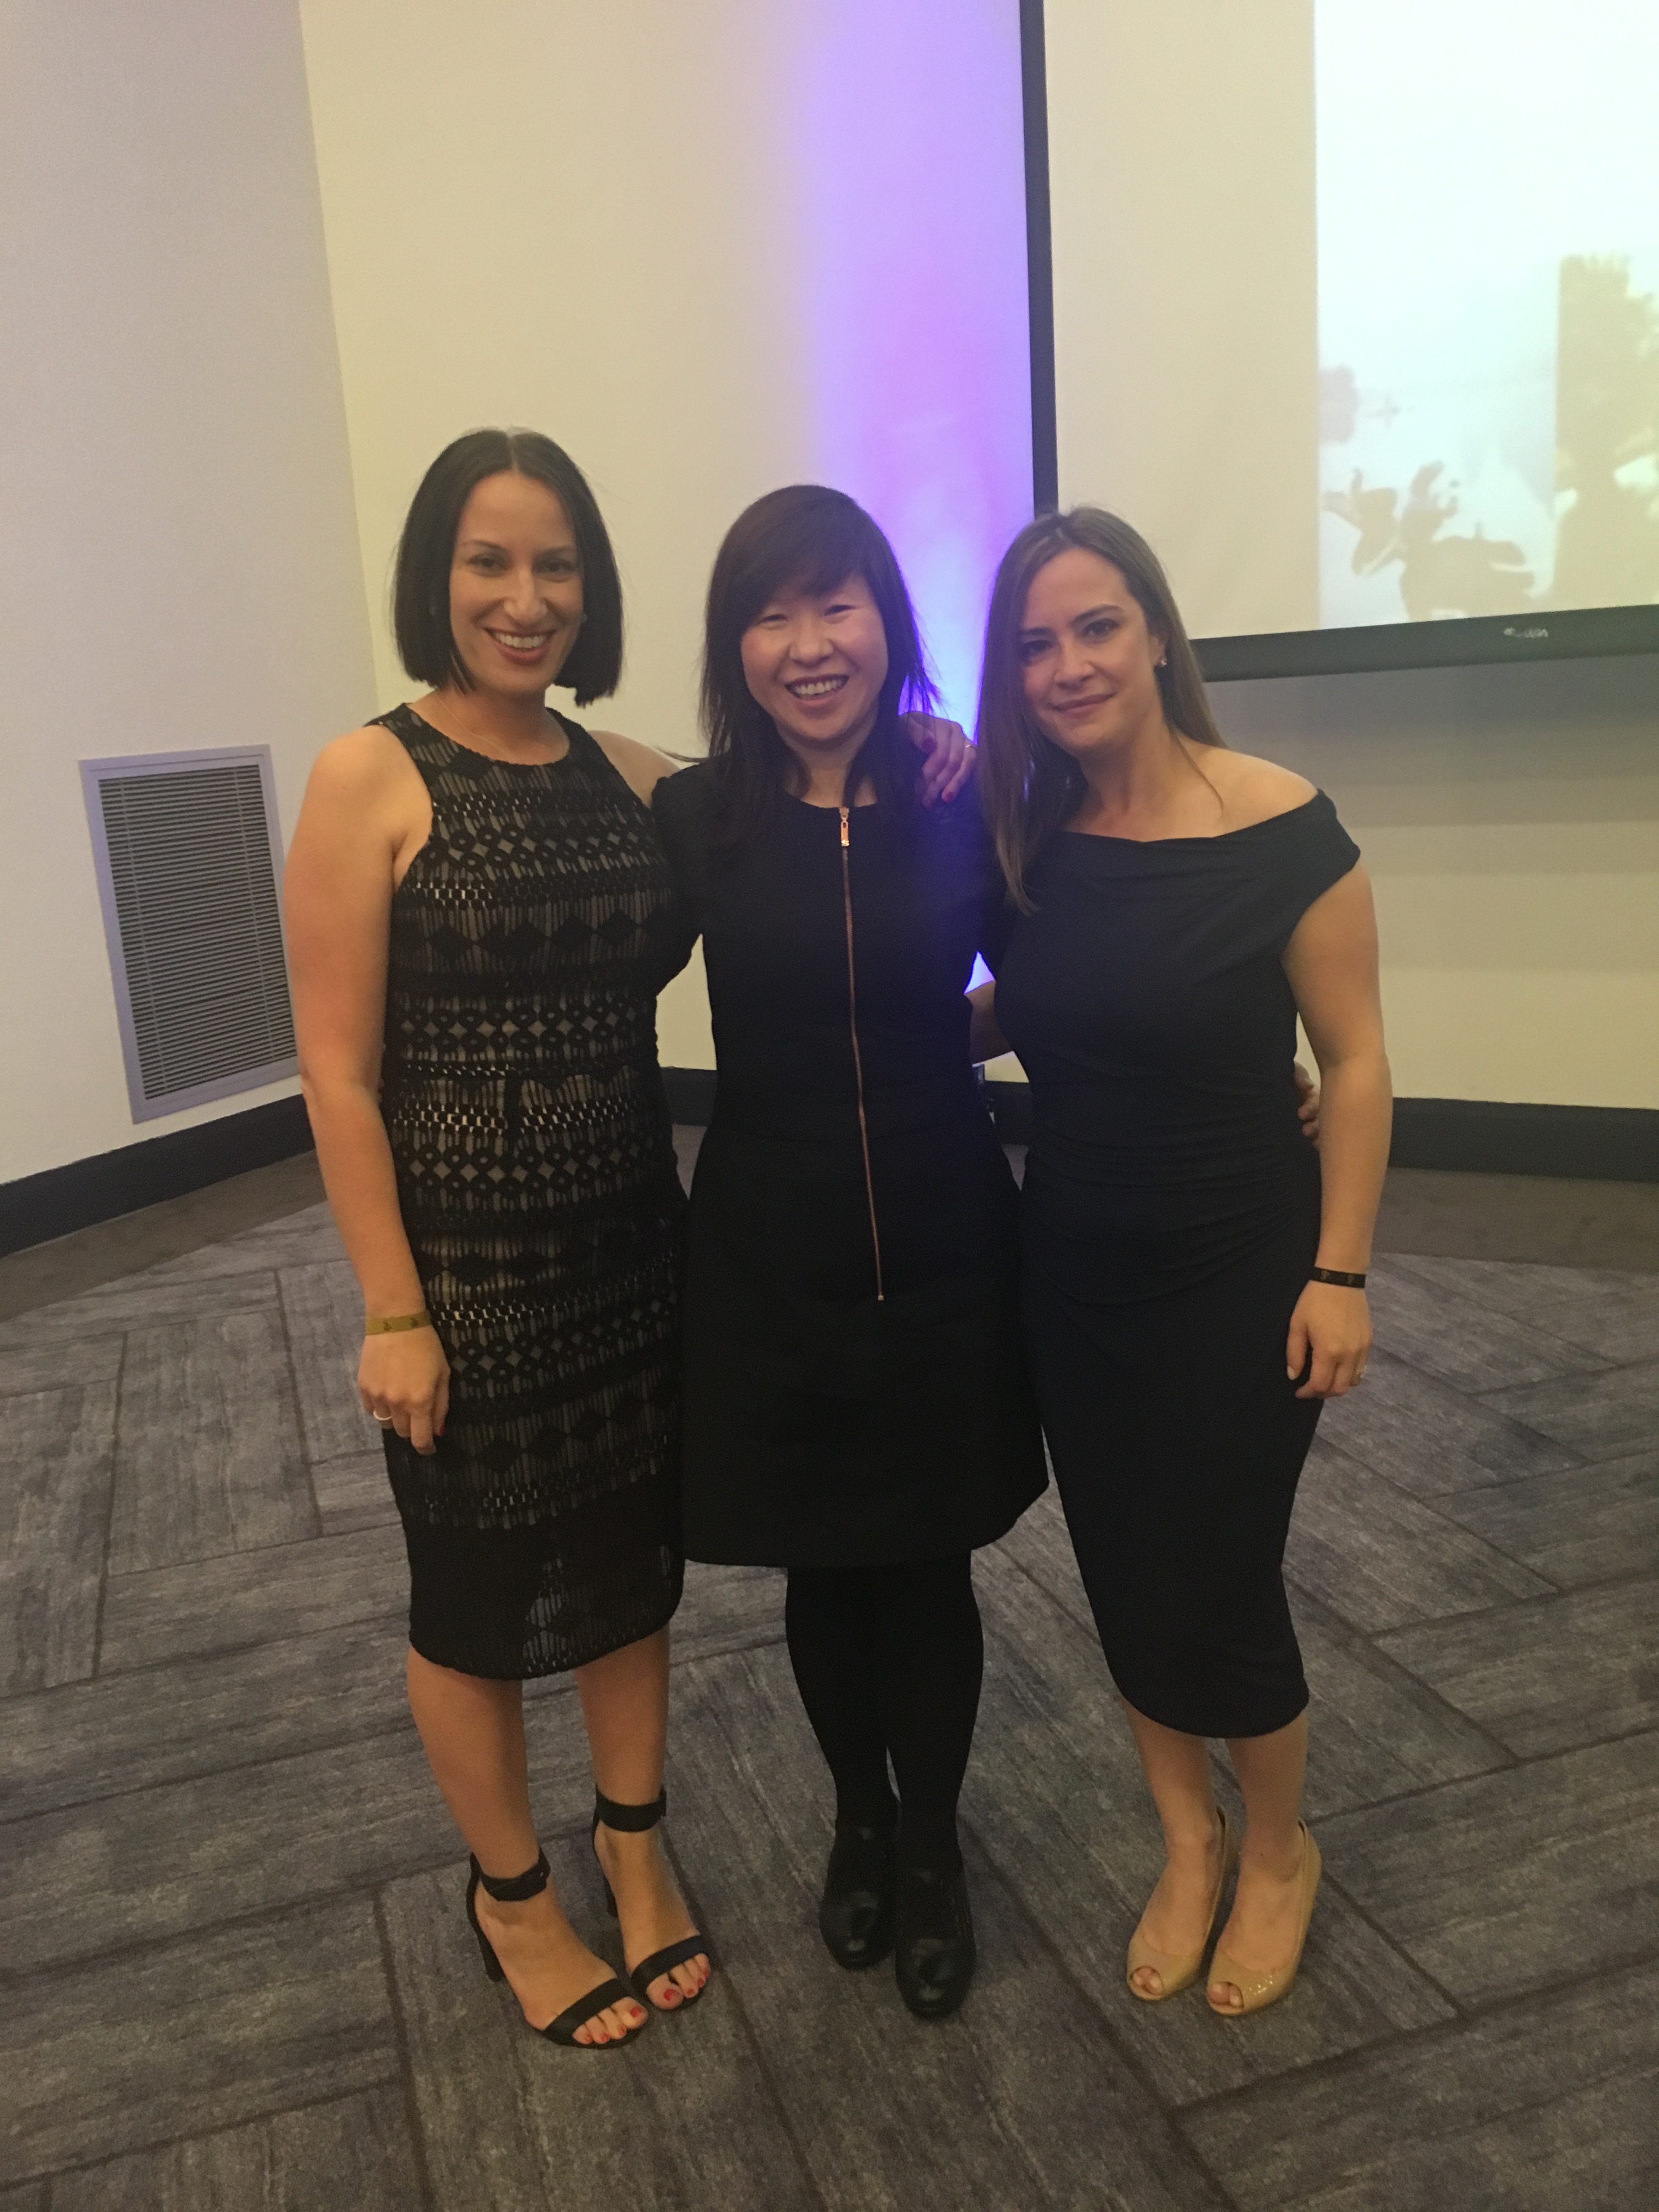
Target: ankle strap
[[512, 1889], [629, 1819]]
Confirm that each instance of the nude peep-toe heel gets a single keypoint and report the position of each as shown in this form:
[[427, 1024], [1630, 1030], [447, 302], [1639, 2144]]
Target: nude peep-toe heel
[[1178, 1970], [1260, 1990]]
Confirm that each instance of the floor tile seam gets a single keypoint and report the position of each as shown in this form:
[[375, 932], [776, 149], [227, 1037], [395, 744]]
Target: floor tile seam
[[251, 1552], [296, 1404], [1518, 1763], [1085, 1628], [12, 1820], [1390, 1944], [1467, 2018], [398, 1726], [1141, 2069], [1445, 1520], [1522, 1760], [1503, 1482], [109, 1516], [94, 1334], [1373, 1644], [1470, 1296], [406, 2075], [1498, 1607], [219, 1651], [49, 2174], [751, 2035], [1587, 1458], [1560, 1594], [366, 1892], [1597, 1374]]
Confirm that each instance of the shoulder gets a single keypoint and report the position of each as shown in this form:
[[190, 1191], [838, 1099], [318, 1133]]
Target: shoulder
[[1253, 790], [682, 794], [363, 764], [641, 767]]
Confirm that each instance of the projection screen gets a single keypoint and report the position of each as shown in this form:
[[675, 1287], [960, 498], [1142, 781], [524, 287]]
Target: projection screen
[[1356, 315]]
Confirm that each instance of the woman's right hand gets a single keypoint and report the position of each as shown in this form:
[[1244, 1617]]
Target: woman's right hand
[[403, 1379]]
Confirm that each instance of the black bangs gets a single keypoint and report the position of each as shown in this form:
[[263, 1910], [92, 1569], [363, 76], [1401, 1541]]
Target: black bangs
[[804, 538], [809, 544]]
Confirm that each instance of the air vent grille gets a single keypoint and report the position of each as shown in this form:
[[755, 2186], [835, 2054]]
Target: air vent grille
[[186, 846]]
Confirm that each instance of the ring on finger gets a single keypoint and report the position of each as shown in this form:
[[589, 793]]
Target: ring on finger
[[384, 1419]]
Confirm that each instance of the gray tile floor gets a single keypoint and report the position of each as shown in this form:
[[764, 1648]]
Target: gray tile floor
[[237, 1971]]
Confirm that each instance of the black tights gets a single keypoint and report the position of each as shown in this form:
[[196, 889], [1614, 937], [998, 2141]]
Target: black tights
[[888, 1662]]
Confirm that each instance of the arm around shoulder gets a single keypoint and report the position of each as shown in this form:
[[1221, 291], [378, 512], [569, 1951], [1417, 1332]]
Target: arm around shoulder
[[641, 768]]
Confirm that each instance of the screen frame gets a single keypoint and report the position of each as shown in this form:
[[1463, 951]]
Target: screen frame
[[1565, 633]]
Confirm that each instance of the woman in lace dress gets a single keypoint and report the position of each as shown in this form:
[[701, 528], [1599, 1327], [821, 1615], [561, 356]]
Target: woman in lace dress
[[479, 920]]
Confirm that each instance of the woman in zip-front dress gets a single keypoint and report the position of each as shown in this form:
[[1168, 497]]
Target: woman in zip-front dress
[[856, 1407]]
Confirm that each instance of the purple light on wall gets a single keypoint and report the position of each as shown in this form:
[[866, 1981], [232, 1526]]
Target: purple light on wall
[[909, 177]]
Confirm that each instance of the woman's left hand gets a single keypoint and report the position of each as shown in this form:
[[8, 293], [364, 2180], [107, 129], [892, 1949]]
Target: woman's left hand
[[948, 759], [1331, 1337]]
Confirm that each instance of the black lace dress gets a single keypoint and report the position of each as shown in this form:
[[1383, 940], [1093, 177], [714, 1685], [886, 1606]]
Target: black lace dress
[[537, 1180]]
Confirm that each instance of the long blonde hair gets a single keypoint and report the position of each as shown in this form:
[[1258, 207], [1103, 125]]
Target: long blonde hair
[[1030, 787]]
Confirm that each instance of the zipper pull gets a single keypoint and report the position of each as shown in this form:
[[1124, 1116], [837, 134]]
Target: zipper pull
[[846, 827]]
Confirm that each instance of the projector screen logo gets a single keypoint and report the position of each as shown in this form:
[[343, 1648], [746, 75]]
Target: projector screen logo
[[1488, 253]]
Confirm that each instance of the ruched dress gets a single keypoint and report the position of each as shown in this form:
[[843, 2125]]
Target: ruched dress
[[854, 1391], [537, 1180], [1170, 1217]]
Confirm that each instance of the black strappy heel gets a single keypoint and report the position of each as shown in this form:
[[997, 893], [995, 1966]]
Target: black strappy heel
[[562, 2030], [633, 1820]]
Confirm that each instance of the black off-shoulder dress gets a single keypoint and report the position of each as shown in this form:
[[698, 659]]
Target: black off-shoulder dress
[[853, 1392], [1170, 1215]]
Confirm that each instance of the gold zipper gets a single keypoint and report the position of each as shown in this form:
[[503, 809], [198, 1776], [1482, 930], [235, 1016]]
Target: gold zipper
[[852, 1024]]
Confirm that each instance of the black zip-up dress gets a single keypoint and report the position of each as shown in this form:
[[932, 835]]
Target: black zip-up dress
[[853, 1390]]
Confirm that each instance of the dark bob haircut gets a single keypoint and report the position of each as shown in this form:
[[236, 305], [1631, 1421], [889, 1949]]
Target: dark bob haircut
[[807, 538], [420, 590]]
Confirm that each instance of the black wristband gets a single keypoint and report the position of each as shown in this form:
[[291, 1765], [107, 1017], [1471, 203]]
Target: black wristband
[[1335, 1275]]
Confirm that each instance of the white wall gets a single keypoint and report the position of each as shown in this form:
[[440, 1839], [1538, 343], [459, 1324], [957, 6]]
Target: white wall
[[179, 566], [1509, 817], [1509, 820], [540, 215], [710, 249]]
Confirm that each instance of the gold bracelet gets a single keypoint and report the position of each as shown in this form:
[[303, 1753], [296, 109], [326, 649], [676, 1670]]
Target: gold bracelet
[[384, 1324]]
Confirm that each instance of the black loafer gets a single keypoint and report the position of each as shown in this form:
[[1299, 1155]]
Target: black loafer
[[935, 1956], [856, 1916]]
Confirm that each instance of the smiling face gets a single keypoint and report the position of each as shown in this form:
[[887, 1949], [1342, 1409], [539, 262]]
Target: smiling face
[[1088, 661], [815, 662], [515, 586]]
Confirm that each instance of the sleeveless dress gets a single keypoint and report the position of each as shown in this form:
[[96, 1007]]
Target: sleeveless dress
[[1170, 1217], [854, 1392], [537, 1180]]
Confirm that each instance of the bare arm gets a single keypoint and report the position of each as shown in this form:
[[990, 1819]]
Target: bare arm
[[363, 817], [641, 768], [1332, 965]]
